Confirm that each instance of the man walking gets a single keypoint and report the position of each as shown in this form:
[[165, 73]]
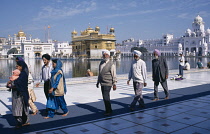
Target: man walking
[[181, 64], [138, 73], [45, 74], [159, 74], [107, 79]]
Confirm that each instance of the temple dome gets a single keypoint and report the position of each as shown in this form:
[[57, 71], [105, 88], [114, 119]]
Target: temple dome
[[21, 34], [97, 28], [112, 29], [188, 31], [74, 32], [208, 31], [198, 19]]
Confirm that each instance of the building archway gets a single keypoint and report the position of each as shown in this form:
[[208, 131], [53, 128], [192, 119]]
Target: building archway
[[193, 49], [187, 49], [200, 51], [37, 54]]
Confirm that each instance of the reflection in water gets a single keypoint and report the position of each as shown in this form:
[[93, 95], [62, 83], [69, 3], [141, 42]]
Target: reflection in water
[[78, 68]]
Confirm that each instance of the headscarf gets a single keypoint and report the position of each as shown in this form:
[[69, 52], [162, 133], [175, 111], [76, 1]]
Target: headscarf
[[19, 59], [138, 53], [106, 51], [23, 65], [56, 69], [22, 82], [157, 52]]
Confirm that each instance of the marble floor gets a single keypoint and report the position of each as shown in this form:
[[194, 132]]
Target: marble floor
[[175, 118], [186, 112]]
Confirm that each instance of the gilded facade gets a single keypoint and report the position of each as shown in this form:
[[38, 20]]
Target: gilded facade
[[90, 43]]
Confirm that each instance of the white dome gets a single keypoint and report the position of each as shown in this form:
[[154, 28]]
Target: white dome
[[208, 31], [198, 19], [188, 31]]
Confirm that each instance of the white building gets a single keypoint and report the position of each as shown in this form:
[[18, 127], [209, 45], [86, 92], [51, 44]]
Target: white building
[[195, 42], [63, 49], [33, 48]]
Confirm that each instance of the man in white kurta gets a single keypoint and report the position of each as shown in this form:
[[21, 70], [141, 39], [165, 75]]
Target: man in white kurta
[[138, 73]]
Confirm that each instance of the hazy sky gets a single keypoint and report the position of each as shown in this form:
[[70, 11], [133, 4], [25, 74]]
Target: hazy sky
[[140, 19]]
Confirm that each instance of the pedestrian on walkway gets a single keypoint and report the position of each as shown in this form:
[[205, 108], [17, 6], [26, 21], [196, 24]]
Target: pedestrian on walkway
[[32, 96], [181, 64], [107, 79], [138, 72], [45, 74], [56, 93], [159, 74], [20, 96], [21, 59]]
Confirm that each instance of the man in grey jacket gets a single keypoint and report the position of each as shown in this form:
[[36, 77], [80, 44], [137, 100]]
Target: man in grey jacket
[[159, 74], [138, 73], [107, 80]]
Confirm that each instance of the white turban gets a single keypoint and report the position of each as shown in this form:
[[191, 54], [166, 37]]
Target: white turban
[[106, 51], [137, 52]]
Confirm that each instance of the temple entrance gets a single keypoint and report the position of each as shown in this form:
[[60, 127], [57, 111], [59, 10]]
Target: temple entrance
[[200, 51], [193, 49], [37, 55]]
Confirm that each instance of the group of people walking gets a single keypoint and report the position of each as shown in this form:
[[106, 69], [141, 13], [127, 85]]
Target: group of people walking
[[138, 72], [21, 85], [55, 86]]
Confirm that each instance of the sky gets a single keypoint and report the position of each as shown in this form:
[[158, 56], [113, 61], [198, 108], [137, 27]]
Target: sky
[[138, 19]]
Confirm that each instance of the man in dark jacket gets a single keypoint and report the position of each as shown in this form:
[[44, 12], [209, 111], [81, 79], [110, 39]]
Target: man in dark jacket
[[159, 74]]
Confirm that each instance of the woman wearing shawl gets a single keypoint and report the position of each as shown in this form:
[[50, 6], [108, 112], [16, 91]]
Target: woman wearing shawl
[[21, 59], [20, 96], [56, 93], [32, 96]]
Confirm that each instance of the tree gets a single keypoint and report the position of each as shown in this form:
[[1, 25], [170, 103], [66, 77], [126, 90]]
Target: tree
[[141, 49], [12, 51]]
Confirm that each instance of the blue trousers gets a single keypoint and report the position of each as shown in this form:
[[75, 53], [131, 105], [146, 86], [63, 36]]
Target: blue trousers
[[59, 102]]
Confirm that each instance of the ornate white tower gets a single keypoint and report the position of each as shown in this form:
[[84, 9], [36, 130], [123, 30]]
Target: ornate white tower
[[198, 26]]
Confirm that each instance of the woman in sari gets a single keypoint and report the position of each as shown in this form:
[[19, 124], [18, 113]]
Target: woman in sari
[[20, 96], [56, 93]]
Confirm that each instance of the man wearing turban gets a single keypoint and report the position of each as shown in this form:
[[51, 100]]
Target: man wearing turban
[[138, 73], [159, 74], [107, 79], [45, 74]]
